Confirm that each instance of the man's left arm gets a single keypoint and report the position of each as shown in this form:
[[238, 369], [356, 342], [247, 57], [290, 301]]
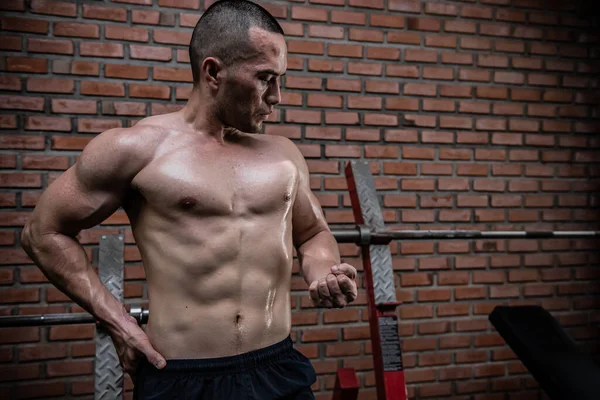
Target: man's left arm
[[331, 283]]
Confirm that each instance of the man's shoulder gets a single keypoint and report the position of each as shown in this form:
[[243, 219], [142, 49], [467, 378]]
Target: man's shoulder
[[125, 149], [142, 137], [280, 141]]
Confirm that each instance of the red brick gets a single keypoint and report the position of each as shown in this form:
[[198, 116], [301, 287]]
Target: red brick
[[190, 4], [75, 29], [19, 372], [542, 80], [85, 68], [325, 65], [509, 46], [342, 349], [16, 5], [419, 89], [455, 342], [93, 49], [10, 43], [171, 37], [25, 64], [50, 85], [348, 17], [388, 21], [459, 26], [304, 47], [149, 91], [475, 43], [409, 6], [330, 32], [172, 74], [43, 352], [115, 32], [382, 87], [54, 8], [364, 68], [456, 91], [509, 15], [342, 151], [102, 88], [309, 13], [380, 119], [150, 53], [68, 368], [513, 78], [403, 37], [365, 35], [324, 100], [456, 122], [45, 162], [337, 117], [21, 103], [476, 75], [35, 45], [24, 24], [127, 71], [151, 17], [438, 73], [420, 55], [337, 316], [433, 295], [105, 13], [487, 92], [345, 50], [440, 9], [402, 70], [440, 41], [438, 105], [489, 370], [457, 58], [47, 123]]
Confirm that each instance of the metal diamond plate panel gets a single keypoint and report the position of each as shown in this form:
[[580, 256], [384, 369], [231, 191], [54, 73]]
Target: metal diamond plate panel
[[381, 257], [108, 384]]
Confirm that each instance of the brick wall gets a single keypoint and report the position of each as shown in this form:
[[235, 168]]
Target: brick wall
[[473, 114]]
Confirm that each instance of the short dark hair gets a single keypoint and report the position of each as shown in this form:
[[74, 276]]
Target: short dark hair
[[222, 32]]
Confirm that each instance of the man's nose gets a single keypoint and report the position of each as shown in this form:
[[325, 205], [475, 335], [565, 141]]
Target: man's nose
[[273, 94]]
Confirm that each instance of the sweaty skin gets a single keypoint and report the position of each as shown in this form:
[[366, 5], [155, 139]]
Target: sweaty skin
[[215, 213], [213, 222]]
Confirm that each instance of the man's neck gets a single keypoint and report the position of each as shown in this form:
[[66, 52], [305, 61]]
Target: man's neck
[[197, 113]]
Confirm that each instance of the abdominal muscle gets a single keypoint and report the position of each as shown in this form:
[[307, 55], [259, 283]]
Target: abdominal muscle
[[216, 288]]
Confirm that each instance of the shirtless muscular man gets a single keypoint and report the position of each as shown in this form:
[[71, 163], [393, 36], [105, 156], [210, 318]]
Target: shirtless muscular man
[[215, 210]]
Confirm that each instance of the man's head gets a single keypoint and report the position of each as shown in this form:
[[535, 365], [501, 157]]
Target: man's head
[[237, 54]]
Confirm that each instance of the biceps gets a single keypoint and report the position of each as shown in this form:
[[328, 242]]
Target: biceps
[[67, 206], [308, 218]]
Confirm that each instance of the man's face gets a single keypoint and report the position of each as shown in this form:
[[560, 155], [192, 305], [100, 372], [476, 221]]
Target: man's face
[[251, 87]]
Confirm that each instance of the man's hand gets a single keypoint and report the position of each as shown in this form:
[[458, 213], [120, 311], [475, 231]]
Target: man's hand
[[131, 344], [336, 289]]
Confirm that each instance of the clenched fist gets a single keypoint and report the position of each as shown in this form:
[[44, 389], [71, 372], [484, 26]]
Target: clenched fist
[[336, 289]]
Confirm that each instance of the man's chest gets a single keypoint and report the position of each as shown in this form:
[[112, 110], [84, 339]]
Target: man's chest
[[212, 184]]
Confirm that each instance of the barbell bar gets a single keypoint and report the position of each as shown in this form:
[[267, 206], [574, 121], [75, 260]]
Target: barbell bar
[[13, 321], [363, 236]]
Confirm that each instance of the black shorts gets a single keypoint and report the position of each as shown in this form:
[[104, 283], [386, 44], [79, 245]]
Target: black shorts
[[275, 372]]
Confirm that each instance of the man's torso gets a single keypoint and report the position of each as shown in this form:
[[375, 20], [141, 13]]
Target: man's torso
[[213, 224]]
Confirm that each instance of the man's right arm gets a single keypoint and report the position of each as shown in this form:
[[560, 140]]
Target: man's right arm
[[82, 197]]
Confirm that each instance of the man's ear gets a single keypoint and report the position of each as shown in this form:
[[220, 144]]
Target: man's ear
[[210, 69]]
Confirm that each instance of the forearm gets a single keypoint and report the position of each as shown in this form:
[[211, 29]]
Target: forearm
[[64, 262], [317, 255]]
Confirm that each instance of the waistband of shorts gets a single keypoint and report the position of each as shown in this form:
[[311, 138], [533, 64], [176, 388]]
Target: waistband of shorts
[[225, 365]]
